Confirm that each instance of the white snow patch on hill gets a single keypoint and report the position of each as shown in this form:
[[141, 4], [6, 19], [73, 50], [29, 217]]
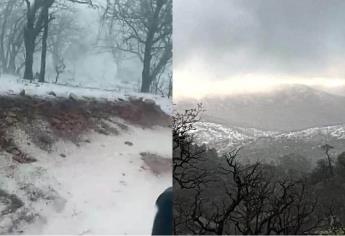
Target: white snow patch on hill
[[227, 138], [336, 131], [212, 134]]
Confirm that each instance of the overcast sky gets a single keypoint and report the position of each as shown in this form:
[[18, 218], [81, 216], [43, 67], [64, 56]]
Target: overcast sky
[[248, 45]]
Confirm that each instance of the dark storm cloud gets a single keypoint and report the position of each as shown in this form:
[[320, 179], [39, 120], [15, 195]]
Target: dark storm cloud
[[289, 37]]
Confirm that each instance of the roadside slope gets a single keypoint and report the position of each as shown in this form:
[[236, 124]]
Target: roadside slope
[[85, 166]]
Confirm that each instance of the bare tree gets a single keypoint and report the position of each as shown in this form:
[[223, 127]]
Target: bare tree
[[144, 29], [63, 32], [215, 195], [247, 201], [327, 148], [11, 35], [45, 15], [35, 18], [37, 12], [185, 153]]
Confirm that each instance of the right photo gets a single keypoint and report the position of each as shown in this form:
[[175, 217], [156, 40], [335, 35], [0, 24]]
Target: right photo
[[259, 120]]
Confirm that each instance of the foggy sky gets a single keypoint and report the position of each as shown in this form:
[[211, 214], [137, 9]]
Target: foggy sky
[[220, 40]]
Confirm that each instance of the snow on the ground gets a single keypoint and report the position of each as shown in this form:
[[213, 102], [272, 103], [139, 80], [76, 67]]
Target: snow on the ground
[[10, 84], [100, 187]]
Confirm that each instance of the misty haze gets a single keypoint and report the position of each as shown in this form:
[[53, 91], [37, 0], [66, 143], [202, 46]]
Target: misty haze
[[85, 110], [270, 77]]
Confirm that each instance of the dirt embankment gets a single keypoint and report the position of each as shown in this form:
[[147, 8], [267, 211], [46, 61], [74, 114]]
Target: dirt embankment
[[45, 120]]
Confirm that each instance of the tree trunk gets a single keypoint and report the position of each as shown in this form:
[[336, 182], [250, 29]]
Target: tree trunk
[[12, 63], [146, 78], [170, 92], [57, 77], [8, 11], [29, 56], [146, 74], [330, 165], [31, 31], [29, 42], [44, 45]]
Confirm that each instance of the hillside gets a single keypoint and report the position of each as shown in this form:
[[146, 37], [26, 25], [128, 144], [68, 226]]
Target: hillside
[[289, 108], [269, 146]]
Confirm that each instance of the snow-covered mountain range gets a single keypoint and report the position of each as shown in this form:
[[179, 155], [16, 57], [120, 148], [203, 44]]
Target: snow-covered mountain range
[[259, 144], [219, 136], [293, 119], [292, 107]]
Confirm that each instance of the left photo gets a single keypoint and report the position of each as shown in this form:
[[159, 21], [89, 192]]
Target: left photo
[[85, 116]]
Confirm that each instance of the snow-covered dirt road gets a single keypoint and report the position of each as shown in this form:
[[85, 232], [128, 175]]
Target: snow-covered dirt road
[[102, 186]]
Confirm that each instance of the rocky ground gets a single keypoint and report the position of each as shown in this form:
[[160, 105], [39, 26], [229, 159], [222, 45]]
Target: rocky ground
[[78, 166]]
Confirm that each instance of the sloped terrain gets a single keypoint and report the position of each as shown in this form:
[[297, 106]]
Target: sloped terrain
[[81, 166], [292, 107], [268, 145]]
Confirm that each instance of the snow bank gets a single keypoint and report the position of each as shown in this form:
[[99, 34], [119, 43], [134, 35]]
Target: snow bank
[[10, 85]]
